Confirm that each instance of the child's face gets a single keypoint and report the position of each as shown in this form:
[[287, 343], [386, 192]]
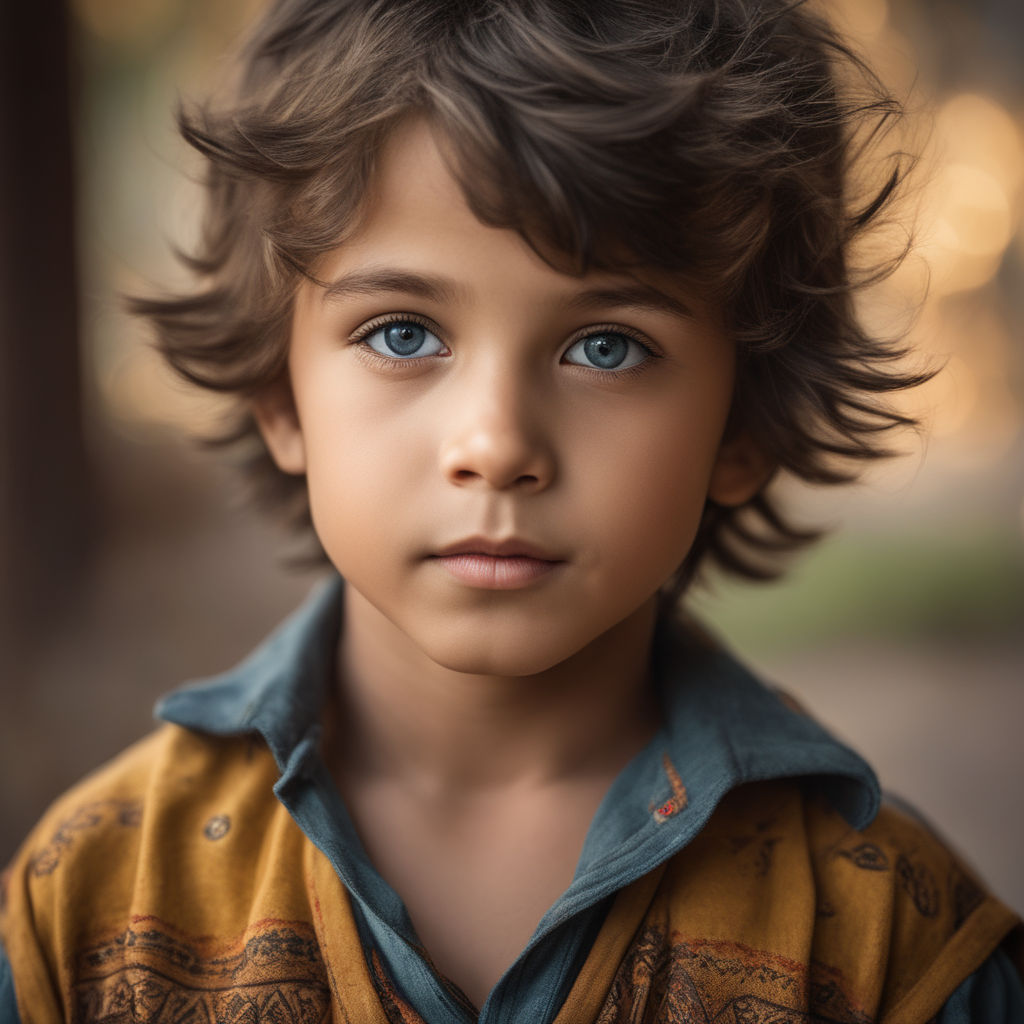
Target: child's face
[[453, 393]]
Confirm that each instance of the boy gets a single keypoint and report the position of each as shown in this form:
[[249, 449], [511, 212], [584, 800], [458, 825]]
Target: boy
[[525, 303]]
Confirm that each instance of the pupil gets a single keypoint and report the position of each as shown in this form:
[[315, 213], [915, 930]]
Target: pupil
[[606, 350], [404, 339]]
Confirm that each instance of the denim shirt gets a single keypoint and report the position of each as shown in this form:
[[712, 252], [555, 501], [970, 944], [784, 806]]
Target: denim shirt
[[721, 728]]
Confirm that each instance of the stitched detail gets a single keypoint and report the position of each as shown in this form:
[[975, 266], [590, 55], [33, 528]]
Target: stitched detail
[[217, 827], [151, 974], [919, 884], [396, 1009], [866, 856], [126, 813], [678, 800], [669, 978]]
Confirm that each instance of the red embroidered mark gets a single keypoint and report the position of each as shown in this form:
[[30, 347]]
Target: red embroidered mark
[[678, 800]]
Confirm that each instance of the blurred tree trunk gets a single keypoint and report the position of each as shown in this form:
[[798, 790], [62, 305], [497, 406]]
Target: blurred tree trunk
[[45, 511]]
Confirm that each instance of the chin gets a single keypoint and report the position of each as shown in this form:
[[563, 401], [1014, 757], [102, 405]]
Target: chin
[[491, 656]]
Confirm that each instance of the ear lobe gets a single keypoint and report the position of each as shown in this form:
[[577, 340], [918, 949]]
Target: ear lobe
[[741, 469], [278, 420]]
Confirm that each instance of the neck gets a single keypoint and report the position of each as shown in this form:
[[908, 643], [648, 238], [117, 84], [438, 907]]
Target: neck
[[403, 717]]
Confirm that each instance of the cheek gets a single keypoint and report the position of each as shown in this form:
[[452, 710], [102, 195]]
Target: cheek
[[653, 474], [364, 460], [654, 526]]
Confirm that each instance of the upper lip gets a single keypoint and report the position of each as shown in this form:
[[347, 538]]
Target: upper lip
[[511, 547]]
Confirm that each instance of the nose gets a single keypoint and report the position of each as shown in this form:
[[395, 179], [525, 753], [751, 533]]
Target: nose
[[496, 435]]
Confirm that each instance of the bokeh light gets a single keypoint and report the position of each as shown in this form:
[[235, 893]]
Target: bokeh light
[[861, 20], [131, 24]]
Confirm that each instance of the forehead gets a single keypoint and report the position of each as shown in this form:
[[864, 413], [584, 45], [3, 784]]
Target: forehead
[[417, 233], [412, 190]]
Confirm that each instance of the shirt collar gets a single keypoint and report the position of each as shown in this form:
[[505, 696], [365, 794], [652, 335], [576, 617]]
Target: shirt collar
[[278, 690], [722, 728]]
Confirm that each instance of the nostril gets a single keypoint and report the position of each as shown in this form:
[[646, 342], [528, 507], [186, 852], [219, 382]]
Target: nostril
[[469, 476], [498, 458]]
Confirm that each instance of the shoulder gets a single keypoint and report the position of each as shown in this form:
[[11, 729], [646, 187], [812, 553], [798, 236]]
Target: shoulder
[[159, 865], [98, 812], [167, 772], [896, 888], [879, 923], [899, 865], [95, 846], [112, 792]]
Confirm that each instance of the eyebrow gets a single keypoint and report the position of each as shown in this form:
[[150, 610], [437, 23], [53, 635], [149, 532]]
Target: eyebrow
[[373, 280], [637, 296]]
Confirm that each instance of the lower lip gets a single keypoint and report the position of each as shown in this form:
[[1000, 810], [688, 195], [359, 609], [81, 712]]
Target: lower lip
[[494, 572]]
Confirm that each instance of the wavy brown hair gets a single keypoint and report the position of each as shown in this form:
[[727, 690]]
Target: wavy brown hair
[[714, 139]]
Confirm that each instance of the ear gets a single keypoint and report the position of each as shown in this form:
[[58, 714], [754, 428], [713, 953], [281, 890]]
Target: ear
[[278, 419], [741, 469]]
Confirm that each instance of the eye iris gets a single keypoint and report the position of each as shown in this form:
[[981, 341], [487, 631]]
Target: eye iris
[[404, 339], [606, 350]]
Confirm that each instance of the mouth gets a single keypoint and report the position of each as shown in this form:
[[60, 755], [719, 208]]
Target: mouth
[[497, 565]]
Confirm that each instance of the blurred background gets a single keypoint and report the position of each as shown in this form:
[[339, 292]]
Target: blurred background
[[131, 562]]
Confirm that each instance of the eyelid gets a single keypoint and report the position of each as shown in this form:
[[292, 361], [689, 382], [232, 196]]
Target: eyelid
[[385, 319], [609, 328]]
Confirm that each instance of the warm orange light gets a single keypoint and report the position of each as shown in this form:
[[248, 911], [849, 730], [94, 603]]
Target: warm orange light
[[970, 401], [967, 225], [859, 18], [951, 397], [131, 22], [976, 209], [139, 388], [975, 130]]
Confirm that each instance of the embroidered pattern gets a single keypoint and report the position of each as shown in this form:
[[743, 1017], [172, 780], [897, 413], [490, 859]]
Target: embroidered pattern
[[148, 975], [396, 1009], [867, 856], [127, 813], [762, 854], [669, 980], [919, 884], [967, 897], [678, 800]]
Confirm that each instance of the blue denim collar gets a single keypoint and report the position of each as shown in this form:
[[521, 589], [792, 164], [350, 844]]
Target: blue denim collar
[[721, 728]]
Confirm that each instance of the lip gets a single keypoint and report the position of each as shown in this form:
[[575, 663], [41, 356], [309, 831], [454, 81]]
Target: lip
[[511, 547], [497, 565]]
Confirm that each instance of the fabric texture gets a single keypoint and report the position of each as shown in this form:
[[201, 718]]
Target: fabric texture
[[739, 869], [8, 1000], [993, 995]]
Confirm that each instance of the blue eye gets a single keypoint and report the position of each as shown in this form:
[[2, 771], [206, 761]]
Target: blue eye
[[404, 339], [607, 350]]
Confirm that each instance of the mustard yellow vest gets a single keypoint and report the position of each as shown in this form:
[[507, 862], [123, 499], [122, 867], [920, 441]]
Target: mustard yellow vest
[[173, 887]]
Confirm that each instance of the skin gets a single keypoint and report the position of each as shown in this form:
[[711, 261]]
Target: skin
[[484, 703]]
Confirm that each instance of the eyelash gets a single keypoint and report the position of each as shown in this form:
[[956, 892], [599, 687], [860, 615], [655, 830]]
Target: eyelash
[[627, 332], [366, 330]]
